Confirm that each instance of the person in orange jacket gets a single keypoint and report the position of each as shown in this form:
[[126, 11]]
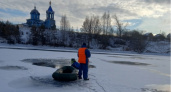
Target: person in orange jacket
[[83, 58]]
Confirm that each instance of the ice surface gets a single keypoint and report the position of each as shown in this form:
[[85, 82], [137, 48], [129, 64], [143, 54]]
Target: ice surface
[[105, 77]]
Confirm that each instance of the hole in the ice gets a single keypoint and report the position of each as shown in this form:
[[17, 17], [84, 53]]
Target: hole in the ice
[[13, 68], [54, 63], [129, 63], [134, 57], [44, 64], [91, 66]]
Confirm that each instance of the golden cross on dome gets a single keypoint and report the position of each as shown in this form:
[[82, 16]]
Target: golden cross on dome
[[50, 3]]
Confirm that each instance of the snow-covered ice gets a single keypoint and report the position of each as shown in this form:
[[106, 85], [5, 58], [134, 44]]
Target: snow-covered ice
[[112, 73]]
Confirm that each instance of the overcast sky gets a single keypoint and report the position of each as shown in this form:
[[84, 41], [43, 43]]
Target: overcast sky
[[148, 15]]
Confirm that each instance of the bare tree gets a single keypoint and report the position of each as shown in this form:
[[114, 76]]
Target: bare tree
[[120, 26], [106, 23], [65, 25], [86, 27], [137, 42], [91, 26], [169, 37], [96, 25]]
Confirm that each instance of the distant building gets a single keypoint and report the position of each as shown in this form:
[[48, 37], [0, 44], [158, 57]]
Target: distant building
[[159, 37], [34, 20], [148, 36]]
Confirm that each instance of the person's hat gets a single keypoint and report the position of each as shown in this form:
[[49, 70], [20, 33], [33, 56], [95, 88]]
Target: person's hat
[[72, 60], [84, 45]]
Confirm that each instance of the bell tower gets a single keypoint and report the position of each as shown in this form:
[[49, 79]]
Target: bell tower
[[50, 22]]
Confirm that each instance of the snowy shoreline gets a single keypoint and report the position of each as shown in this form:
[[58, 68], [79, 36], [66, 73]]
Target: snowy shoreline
[[111, 51]]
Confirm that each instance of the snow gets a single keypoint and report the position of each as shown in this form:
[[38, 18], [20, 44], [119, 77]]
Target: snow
[[159, 47], [107, 76], [25, 32]]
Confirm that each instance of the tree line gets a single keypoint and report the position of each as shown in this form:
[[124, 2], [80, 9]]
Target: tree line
[[97, 31], [10, 32]]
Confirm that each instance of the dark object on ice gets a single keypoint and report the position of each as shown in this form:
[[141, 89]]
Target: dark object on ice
[[86, 79], [129, 63], [66, 73], [13, 68]]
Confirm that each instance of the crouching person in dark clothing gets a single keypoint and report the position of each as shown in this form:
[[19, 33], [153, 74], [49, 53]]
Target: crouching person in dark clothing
[[83, 55], [75, 64]]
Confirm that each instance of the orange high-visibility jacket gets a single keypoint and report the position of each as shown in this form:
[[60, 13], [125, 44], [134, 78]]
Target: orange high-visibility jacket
[[82, 55]]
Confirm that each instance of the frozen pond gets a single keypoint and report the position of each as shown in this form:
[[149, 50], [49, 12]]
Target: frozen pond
[[31, 71]]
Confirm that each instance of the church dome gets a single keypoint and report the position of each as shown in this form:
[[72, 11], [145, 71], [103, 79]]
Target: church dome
[[50, 10], [34, 11]]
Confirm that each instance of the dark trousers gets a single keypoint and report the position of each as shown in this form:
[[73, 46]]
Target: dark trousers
[[83, 68]]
